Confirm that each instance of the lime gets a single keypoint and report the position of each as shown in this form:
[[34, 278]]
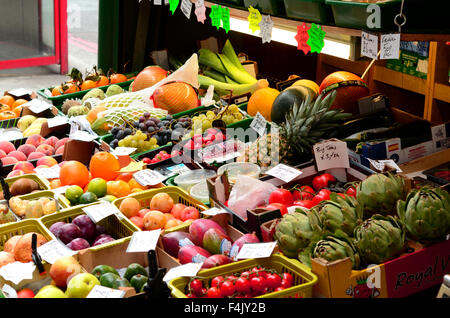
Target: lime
[[109, 198], [97, 186], [73, 194], [87, 198]]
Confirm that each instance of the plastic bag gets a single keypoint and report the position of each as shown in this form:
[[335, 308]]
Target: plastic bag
[[249, 193]]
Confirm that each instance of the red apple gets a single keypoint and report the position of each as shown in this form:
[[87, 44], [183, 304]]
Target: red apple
[[63, 269]]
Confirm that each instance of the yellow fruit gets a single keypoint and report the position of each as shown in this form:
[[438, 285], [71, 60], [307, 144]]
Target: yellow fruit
[[261, 101], [308, 83]]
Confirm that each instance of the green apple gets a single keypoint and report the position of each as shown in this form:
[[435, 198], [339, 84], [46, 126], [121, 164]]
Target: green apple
[[50, 291], [81, 285]]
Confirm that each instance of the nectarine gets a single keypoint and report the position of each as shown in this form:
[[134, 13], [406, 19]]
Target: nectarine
[[18, 155], [9, 161], [26, 149], [35, 140], [46, 149], [35, 155], [6, 146]]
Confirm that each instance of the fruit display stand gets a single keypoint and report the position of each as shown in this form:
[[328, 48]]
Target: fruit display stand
[[419, 268], [304, 279]]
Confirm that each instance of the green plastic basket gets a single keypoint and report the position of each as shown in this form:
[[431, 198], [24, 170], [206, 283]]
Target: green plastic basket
[[62, 201], [309, 10], [20, 228], [120, 229], [44, 184], [304, 279]]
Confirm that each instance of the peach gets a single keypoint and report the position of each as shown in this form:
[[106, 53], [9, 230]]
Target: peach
[[47, 161], [60, 150], [9, 161], [130, 207], [25, 166], [35, 140], [6, 146], [2, 154], [46, 149], [61, 142], [26, 149], [18, 155], [15, 173], [35, 155], [52, 141]]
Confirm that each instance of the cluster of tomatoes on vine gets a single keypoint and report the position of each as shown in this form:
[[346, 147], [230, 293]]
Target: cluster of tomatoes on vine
[[248, 284]]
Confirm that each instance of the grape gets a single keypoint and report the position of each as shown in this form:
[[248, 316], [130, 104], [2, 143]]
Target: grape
[[150, 123], [141, 119], [151, 129], [169, 117], [127, 132], [160, 124], [134, 143], [233, 109], [146, 115], [142, 127], [120, 135], [114, 130], [153, 141], [206, 124]]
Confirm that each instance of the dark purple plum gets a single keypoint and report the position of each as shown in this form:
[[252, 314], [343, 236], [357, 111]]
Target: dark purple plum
[[56, 228], [69, 232], [78, 244], [87, 227]]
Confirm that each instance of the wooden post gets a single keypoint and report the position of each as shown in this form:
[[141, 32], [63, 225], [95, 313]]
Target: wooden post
[[431, 79]]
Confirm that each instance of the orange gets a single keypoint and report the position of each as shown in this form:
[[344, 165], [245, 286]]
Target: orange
[[19, 102], [56, 91], [117, 78], [136, 185], [17, 110], [261, 101], [70, 88], [172, 223], [55, 183], [102, 81], [87, 85], [7, 100], [154, 220], [118, 189], [4, 107], [74, 173], [104, 165]]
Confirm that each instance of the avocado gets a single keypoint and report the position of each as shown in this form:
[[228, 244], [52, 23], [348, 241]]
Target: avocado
[[138, 281], [108, 279], [121, 282], [99, 270], [134, 269]]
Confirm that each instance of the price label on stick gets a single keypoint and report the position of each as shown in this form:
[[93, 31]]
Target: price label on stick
[[48, 173], [381, 165], [148, 177], [104, 292], [82, 135], [143, 241], [98, 212], [331, 154], [186, 270], [123, 151], [284, 172], [256, 250], [54, 250], [259, 124]]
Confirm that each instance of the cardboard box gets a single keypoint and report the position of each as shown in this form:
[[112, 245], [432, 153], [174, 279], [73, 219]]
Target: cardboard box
[[418, 269]]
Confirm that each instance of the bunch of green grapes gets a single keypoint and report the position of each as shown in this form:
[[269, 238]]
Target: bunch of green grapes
[[140, 141], [229, 115]]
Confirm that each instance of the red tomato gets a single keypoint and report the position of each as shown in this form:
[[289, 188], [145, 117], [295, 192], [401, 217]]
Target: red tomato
[[213, 292], [273, 281], [177, 210], [304, 193], [25, 293], [231, 278], [323, 194], [288, 277], [196, 287], [217, 281], [281, 196], [258, 284], [322, 181], [275, 206], [227, 288], [242, 285], [279, 289], [190, 213], [351, 191], [305, 203]]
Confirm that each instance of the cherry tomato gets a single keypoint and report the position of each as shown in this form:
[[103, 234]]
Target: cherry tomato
[[304, 203], [304, 193], [191, 295], [246, 274], [281, 196], [277, 206], [147, 161], [196, 286], [279, 289], [231, 278], [217, 281], [213, 292], [351, 191], [273, 281], [323, 194], [322, 181], [242, 285], [227, 288], [25, 293], [287, 280], [341, 195], [258, 284]]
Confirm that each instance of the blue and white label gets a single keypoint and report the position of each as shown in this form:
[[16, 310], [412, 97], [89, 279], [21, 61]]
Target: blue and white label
[[225, 247], [185, 242], [198, 258]]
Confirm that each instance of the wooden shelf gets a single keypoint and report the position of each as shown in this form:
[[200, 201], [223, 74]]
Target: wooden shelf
[[291, 25], [400, 80], [442, 92]]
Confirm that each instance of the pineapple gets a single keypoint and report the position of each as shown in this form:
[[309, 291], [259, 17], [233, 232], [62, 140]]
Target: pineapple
[[305, 125]]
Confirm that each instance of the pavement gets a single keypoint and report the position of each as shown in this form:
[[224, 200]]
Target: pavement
[[82, 22]]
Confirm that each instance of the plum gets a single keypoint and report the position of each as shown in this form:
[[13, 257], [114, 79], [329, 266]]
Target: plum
[[87, 227], [55, 228], [78, 244], [102, 240], [69, 232]]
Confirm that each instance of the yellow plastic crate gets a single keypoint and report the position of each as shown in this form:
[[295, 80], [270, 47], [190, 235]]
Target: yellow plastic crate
[[304, 279], [44, 184], [20, 228], [62, 201], [120, 229], [177, 194]]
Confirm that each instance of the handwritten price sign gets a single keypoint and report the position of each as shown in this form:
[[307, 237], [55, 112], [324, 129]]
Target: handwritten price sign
[[331, 154]]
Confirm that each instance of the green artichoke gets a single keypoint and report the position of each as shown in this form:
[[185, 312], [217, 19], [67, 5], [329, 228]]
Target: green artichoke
[[380, 239], [378, 194], [336, 247], [426, 213], [339, 214], [294, 233]]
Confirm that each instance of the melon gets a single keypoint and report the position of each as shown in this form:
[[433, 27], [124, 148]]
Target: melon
[[175, 97], [148, 77], [350, 88], [286, 100]]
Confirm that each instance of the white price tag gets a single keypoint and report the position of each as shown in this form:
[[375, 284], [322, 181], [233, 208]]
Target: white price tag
[[148, 177], [48, 173], [390, 46], [60, 190], [208, 99], [143, 241], [37, 106], [20, 92], [17, 271], [256, 250], [186, 8], [369, 45], [53, 250], [123, 151], [266, 26], [331, 154], [259, 124], [98, 212], [186, 270], [57, 121], [82, 135], [284, 172], [157, 2], [381, 164], [104, 292], [214, 211]]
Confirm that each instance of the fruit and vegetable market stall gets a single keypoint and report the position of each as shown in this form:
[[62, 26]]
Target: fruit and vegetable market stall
[[211, 161]]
